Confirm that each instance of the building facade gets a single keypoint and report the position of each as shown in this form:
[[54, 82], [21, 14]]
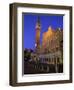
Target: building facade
[[51, 40], [50, 51]]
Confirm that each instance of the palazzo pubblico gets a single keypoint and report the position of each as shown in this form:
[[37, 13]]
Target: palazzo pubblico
[[47, 56]]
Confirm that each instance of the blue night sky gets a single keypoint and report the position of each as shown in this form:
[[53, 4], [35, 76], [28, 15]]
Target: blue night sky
[[55, 21]]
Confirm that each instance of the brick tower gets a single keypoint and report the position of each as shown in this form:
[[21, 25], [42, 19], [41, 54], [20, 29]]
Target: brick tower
[[37, 38]]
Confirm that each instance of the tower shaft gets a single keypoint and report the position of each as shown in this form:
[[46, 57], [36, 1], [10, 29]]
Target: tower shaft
[[37, 38]]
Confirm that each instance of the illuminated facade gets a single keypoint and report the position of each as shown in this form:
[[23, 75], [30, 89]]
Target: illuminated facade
[[52, 40], [52, 48]]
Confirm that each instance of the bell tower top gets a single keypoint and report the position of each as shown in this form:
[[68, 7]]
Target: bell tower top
[[38, 20], [38, 26]]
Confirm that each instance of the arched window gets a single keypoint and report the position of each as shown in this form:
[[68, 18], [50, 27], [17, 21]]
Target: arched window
[[58, 60]]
